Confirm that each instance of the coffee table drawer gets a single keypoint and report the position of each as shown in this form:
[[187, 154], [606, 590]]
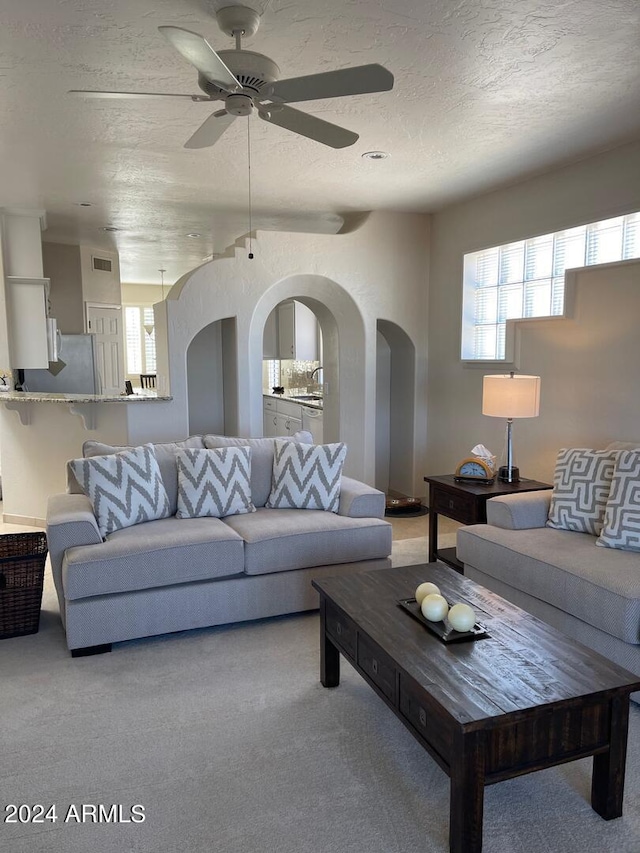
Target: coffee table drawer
[[341, 630], [378, 666], [424, 717]]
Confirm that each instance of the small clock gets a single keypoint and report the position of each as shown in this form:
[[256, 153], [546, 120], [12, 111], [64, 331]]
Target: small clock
[[474, 468]]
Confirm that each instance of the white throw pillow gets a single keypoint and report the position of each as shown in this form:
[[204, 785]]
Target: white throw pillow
[[581, 484], [306, 476], [215, 482], [621, 528], [124, 488]]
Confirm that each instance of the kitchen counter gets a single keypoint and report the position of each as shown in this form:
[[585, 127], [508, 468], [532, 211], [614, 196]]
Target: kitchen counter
[[314, 404], [48, 397], [42, 430]]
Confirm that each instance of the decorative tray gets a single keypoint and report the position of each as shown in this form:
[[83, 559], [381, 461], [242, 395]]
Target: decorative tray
[[444, 632]]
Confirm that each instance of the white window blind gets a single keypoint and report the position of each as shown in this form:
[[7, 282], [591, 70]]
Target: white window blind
[[526, 278], [132, 337], [140, 340]]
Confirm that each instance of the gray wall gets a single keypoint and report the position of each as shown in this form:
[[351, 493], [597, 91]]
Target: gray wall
[[588, 363], [205, 380], [61, 264]]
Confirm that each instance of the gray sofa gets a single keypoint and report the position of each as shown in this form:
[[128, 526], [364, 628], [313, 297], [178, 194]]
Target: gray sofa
[[592, 594], [176, 574]]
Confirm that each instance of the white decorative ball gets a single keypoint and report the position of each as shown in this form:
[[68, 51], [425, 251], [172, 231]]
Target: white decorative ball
[[462, 617], [434, 607], [424, 590]]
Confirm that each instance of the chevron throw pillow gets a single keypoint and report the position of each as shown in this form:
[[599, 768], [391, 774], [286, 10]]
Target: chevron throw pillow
[[214, 482], [581, 484], [621, 528], [306, 476], [124, 488]]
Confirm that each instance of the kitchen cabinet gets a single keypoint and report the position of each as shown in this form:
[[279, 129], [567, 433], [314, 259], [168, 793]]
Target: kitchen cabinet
[[297, 331], [287, 425], [270, 336], [26, 319], [269, 425], [285, 417]]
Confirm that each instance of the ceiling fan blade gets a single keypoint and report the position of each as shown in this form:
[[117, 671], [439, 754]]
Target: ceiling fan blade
[[197, 50], [307, 125], [210, 130], [92, 93], [332, 84]]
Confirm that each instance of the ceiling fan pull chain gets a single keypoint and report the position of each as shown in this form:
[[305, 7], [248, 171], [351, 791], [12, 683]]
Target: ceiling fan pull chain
[[249, 173]]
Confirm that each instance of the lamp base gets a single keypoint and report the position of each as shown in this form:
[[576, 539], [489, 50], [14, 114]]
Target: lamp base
[[509, 475]]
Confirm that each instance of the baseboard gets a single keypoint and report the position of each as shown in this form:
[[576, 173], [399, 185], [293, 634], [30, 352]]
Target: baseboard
[[23, 519]]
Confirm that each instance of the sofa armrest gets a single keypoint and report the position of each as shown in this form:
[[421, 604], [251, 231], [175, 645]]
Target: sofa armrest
[[358, 500], [521, 511], [70, 522]]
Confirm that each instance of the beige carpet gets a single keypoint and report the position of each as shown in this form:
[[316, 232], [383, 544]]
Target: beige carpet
[[410, 552], [230, 743]]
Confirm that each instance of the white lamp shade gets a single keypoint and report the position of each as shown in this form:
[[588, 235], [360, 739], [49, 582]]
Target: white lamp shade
[[511, 396]]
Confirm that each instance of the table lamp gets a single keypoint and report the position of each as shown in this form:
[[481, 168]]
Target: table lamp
[[510, 396]]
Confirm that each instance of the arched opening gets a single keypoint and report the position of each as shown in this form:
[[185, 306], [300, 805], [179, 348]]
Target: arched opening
[[297, 359], [395, 408], [212, 379], [346, 353]]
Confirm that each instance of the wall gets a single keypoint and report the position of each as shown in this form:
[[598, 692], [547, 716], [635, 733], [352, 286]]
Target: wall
[[379, 271], [141, 294], [62, 266], [584, 400], [206, 387], [98, 285]]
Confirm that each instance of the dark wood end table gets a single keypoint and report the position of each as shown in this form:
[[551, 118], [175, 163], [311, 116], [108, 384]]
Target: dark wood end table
[[521, 700], [465, 502]]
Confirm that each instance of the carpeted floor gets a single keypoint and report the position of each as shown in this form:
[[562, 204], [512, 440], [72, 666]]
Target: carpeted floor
[[230, 743]]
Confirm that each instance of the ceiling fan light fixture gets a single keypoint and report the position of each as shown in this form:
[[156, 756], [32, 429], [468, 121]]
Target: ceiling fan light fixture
[[375, 155]]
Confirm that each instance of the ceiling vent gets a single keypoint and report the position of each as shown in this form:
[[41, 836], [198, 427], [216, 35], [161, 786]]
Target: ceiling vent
[[102, 264]]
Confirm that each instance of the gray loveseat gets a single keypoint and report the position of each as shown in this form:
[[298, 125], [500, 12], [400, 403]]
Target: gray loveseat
[[176, 574], [592, 594]]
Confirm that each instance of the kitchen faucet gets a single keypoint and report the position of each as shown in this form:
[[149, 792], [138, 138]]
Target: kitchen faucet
[[314, 371]]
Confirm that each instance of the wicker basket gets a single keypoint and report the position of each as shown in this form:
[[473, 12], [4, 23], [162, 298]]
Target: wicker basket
[[22, 559]]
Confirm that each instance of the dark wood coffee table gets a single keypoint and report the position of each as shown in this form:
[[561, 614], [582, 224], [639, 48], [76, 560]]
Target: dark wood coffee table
[[523, 699]]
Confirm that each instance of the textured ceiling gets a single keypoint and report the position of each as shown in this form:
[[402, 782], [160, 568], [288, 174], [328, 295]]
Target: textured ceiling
[[487, 92]]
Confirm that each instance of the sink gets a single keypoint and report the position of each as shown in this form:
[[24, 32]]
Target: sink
[[314, 397]]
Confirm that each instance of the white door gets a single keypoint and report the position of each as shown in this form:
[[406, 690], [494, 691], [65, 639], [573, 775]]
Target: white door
[[106, 325]]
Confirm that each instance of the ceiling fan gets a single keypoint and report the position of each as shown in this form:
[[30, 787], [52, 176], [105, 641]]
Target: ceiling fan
[[248, 81]]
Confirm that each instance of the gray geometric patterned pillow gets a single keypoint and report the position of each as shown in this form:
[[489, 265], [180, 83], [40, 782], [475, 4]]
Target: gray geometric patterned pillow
[[214, 482], [124, 488], [621, 527], [581, 484], [306, 476]]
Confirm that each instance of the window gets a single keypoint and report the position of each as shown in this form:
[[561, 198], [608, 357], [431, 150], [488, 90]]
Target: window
[[526, 278], [140, 340], [273, 373]]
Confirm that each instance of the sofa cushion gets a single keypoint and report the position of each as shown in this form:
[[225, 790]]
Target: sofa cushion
[[621, 527], [306, 476], [581, 483], [214, 482], [261, 459], [165, 454], [278, 540], [158, 553], [599, 586], [124, 488]]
